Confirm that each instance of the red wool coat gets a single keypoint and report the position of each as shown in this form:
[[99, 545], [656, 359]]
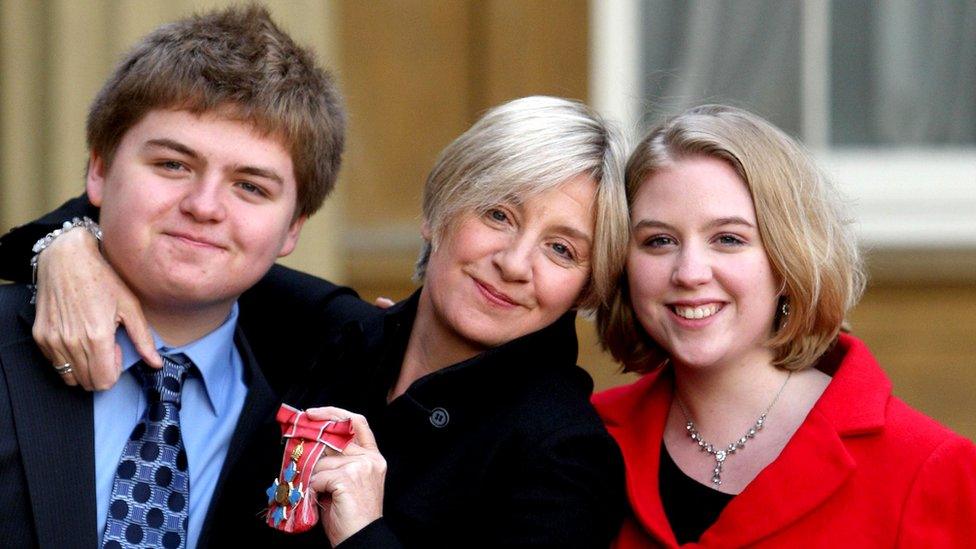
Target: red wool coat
[[863, 470]]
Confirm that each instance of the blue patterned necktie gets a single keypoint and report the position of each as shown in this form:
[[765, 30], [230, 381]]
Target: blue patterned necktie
[[151, 490]]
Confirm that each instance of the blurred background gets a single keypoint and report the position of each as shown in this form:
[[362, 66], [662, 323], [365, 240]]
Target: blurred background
[[882, 92]]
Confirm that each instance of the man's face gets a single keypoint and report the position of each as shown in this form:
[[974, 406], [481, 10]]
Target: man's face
[[195, 209]]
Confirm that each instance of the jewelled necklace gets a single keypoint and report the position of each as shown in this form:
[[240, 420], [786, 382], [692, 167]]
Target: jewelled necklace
[[733, 447]]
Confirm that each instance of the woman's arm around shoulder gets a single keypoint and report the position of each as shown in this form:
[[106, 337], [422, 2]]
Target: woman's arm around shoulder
[[16, 247]]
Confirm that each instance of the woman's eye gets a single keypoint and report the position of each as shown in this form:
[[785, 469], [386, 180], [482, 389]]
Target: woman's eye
[[497, 215], [563, 250]]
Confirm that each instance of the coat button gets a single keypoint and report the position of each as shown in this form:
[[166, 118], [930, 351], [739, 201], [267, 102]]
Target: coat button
[[439, 418]]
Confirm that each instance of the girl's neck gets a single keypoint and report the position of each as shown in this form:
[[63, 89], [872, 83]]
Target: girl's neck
[[723, 397]]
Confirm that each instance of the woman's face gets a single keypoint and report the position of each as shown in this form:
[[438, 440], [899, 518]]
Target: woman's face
[[700, 280], [511, 270]]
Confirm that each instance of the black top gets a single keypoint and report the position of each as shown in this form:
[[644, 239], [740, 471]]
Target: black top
[[691, 507]]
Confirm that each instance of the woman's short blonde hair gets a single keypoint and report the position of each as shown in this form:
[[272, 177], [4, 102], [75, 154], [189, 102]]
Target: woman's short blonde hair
[[526, 147], [808, 239]]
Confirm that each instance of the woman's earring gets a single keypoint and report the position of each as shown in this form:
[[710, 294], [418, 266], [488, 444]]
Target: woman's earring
[[784, 307]]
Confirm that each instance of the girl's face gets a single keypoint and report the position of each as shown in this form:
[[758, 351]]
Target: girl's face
[[700, 281], [512, 269]]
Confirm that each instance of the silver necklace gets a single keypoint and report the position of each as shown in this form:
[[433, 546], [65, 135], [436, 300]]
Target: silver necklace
[[733, 447]]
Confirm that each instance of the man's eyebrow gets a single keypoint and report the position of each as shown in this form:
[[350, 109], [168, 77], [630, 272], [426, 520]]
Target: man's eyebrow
[[172, 145], [264, 173]]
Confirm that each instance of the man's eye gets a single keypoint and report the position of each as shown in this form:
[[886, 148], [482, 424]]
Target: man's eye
[[172, 165], [251, 188]]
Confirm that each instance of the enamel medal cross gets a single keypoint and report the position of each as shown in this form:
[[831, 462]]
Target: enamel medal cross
[[283, 491], [291, 504]]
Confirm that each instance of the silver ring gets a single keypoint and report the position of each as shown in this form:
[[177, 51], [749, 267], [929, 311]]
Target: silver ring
[[64, 369]]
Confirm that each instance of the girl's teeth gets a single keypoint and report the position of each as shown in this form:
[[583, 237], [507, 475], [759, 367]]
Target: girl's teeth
[[695, 313]]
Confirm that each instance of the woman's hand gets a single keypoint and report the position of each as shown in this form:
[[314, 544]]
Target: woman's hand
[[350, 485], [80, 304]]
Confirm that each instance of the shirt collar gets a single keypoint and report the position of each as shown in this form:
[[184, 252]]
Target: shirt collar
[[212, 355]]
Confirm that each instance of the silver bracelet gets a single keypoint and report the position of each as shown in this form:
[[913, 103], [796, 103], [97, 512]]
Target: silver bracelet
[[43, 243]]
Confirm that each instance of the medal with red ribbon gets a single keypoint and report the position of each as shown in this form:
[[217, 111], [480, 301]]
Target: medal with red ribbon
[[291, 504]]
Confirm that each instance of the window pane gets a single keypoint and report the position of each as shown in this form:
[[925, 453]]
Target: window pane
[[741, 52], [903, 72]]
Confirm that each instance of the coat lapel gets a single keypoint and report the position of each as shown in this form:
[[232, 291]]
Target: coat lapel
[[55, 433], [813, 465], [259, 405], [641, 445]]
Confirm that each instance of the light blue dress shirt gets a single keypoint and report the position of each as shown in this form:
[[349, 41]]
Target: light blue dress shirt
[[212, 400]]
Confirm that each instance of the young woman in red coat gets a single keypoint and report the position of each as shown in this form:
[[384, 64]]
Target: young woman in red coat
[[757, 421]]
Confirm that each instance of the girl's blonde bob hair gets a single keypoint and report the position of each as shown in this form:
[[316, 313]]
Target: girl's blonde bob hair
[[807, 239], [523, 148]]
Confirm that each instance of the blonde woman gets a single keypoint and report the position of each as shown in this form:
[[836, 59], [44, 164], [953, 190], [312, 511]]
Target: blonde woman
[[757, 421]]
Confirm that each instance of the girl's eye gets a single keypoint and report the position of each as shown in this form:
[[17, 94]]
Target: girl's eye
[[658, 241], [730, 240]]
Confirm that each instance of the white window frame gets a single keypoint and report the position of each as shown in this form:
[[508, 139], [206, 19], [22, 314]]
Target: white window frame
[[904, 198]]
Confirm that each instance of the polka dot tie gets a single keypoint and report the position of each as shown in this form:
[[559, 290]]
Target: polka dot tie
[[151, 490]]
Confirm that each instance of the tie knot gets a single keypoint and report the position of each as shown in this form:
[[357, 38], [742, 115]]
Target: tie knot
[[166, 383]]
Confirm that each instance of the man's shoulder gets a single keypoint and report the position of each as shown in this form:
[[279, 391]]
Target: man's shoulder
[[286, 279], [13, 300], [287, 292], [13, 292]]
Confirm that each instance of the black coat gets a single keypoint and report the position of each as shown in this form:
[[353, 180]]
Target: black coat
[[503, 449]]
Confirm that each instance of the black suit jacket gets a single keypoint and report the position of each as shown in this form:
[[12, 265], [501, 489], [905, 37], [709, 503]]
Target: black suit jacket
[[47, 466]]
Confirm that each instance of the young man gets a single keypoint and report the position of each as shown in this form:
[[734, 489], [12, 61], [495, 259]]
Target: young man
[[210, 145]]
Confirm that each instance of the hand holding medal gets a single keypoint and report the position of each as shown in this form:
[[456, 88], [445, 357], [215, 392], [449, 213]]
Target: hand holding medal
[[291, 507], [350, 483]]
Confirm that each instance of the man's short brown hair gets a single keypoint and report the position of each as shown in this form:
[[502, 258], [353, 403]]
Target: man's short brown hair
[[238, 63]]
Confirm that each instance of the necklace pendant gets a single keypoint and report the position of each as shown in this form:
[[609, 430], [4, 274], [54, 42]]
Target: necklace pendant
[[736, 445]]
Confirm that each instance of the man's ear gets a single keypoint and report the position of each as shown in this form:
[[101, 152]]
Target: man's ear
[[291, 238], [95, 179]]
